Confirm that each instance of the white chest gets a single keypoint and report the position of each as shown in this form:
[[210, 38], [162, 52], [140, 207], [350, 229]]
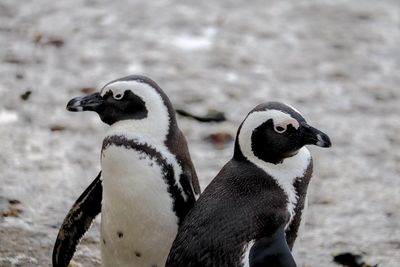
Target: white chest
[[138, 223]]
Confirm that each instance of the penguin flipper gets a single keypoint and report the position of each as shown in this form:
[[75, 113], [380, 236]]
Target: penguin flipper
[[77, 222], [272, 251]]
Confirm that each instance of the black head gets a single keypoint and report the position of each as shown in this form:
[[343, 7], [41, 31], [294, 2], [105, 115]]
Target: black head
[[128, 98], [274, 131]]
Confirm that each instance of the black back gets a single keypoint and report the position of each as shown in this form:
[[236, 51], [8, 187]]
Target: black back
[[232, 211]]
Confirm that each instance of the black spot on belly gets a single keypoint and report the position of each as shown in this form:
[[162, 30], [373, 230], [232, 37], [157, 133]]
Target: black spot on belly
[[120, 234], [138, 254], [104, 241]]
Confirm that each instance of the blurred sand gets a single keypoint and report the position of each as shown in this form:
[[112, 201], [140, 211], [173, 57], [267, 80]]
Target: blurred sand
[[338, 62]]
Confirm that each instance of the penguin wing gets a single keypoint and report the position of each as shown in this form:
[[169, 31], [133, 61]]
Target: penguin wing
[[77, 222], [272, 251]]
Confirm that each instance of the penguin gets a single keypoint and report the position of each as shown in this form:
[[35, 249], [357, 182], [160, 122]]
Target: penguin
[[249, 215], [147, 182]]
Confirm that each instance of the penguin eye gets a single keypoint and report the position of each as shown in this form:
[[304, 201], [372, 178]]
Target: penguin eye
[[118, 96], [279, 129]]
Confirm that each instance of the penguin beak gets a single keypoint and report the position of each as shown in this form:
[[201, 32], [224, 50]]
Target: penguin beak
[[313, 136], [92, 102]]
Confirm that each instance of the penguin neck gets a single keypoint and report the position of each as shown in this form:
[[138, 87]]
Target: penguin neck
[[286, 170], [284, 173], [151, 130]]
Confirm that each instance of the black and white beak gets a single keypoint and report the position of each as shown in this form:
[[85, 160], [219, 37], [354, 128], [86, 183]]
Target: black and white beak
[[313, 136], [92, 102]]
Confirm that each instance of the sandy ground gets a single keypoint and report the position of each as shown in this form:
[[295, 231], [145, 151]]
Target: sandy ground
[[336, 61]]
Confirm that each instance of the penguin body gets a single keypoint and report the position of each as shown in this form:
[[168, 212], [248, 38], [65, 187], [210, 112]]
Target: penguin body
[[148, 180], [250, 213]]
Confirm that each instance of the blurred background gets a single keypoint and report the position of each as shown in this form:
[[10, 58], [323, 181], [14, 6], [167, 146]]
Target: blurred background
[[338, 62]]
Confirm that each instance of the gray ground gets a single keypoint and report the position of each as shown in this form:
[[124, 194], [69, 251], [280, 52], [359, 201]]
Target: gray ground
[[336, 61]]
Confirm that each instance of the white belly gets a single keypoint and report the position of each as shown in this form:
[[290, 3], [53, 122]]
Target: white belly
[[138, 224]]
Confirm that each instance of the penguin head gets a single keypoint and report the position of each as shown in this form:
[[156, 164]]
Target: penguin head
[[133, 97], [274, 131]]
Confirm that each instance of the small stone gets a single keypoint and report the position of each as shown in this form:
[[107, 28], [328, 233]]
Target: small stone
[[57, 128], [14, 201], [57, 42], [11, 212], [25, 96], [120, 234]]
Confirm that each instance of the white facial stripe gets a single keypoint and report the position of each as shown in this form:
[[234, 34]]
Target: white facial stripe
[[120, 87], [278, 117], [284, 173], [152, 130], [257, 118], [155, 126], [284, 124]]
